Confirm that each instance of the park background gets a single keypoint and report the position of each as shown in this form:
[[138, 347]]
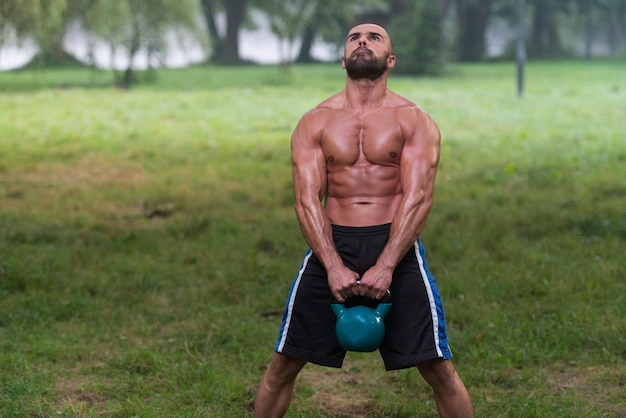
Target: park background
[[147, 233]]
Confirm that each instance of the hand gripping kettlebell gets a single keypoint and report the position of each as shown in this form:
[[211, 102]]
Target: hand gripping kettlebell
[[361, 328]]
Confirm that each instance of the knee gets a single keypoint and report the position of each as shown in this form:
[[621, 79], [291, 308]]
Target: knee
[[440, 375], [283, 370]]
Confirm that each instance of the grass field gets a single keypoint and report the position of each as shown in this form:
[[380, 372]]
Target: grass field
[[148, 241]]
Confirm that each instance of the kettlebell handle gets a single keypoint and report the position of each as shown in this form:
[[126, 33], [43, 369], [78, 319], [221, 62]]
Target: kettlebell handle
[[385, 299]]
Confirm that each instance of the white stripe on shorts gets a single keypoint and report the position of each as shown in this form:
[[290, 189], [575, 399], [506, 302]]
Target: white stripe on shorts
[[292, 297], [431, 298]]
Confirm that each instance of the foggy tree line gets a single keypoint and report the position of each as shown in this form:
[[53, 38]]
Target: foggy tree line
[[430, 32]]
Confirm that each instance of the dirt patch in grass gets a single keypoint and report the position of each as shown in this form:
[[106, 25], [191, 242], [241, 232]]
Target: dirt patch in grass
[[76, 398], [88, 170], [344, 393], [602, 387], [70, 186], [340, 392]]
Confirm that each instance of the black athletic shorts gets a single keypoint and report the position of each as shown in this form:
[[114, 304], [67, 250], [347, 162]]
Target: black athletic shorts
[[415, 329]]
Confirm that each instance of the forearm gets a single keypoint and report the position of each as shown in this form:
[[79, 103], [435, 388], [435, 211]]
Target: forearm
[[317, 231], [406, 226]]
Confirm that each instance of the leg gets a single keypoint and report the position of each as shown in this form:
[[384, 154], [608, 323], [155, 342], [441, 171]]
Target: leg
[[452, 398], [276, 388]]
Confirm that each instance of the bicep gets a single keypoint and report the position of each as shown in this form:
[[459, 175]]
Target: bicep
[[308, 163], [420, 156]]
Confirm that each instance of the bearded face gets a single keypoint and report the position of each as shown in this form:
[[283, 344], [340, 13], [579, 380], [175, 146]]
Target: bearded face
[[360, 65]]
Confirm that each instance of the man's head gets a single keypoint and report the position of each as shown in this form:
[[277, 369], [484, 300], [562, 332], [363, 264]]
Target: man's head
[[368, 52]]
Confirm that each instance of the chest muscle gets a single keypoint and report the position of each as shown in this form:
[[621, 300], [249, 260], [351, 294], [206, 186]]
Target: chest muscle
[[355, 140]]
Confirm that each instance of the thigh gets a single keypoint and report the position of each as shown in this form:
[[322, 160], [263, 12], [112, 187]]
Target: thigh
[[415, 326], [308, 329]]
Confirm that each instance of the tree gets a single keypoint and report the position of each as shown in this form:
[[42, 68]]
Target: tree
[[330, 21], [323, 15], [601, 18], [287, 17], [544, 36], [416, 28], [224, 49], [41, 21], [15, 16], [473, 18], [419, 39], [135, 25], [615, 14]]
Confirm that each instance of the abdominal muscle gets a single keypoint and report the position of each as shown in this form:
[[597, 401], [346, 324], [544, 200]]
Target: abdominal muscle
[[363, 196]]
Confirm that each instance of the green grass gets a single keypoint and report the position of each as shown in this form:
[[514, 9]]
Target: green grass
[[147, 242]]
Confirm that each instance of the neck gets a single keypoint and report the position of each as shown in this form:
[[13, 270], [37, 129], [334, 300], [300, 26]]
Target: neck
[[364, 94]]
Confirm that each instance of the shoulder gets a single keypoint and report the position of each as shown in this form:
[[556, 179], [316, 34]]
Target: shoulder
[[317, 117], [412, 118], [405, 106], [311, 124], [396, 100], [406, 110], [333, 103]]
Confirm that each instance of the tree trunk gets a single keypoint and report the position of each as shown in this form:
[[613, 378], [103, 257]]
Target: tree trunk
[[235, 12], [225, 49], [208, 11], [133, 48], [544, 41], [473, 18], [588, 31], [304, 56], [611, 17]]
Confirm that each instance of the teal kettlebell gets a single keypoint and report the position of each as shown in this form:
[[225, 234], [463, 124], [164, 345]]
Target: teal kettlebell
[[361, 328]]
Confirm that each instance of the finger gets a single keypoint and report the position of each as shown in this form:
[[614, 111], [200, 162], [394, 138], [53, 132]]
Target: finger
[[338, 297], [353, 289], [362, 290], [382, 294]]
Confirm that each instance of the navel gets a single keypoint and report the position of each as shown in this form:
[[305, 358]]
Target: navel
[[393, 154]]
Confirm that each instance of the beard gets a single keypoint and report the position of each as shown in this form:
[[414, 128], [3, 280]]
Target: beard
[[359, 66]]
